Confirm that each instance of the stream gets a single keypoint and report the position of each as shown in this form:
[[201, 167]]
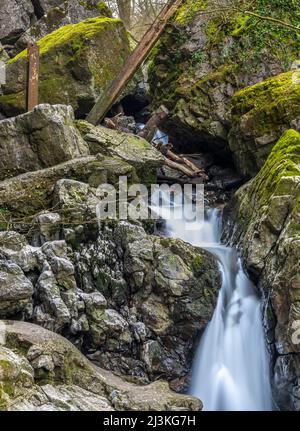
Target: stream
[[231, 365]]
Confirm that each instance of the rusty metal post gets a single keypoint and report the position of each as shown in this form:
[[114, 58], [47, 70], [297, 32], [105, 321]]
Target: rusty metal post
[[33, 75]]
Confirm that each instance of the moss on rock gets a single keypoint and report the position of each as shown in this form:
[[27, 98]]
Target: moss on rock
[[260, 114], [266, 217], [128, 147], [198, 47], [78, 61]]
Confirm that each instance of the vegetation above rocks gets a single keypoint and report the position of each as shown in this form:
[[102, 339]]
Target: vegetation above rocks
[[259, 115], [209, 52]]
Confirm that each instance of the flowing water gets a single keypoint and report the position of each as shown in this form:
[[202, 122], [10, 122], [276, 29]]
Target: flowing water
[[231, 366]]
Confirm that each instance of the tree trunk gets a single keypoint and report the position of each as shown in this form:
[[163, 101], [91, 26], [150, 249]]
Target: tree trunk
[[124, 8]]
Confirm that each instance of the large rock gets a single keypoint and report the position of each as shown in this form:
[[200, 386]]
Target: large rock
[[15, 18], [135, 302], [128, 147], [40, 370], [260, 114], [32, 192], [266, 213], [39, 139], [55, 14], [78, 62], [203, 59]]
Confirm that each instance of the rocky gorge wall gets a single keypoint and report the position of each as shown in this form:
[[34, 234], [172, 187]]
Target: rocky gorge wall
[[264, 221], [207, 54], [231, 83], [133, 302]]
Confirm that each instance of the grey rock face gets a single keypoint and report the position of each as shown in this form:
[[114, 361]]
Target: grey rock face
[[266, 216], [41, 138], [31, 358], [15, 18], [15, 289], [134, 302]]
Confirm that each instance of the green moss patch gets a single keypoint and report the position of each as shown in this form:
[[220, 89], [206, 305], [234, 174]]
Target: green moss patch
[[282, 163], [268, 105], [78, 34]]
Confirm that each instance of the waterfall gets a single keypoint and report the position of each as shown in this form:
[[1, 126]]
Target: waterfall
[[231, 365]]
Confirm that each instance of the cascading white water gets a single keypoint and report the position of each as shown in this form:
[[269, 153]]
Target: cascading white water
[[231, 367]]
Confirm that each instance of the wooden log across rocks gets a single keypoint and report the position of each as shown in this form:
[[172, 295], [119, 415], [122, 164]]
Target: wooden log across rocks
[[134, 61]]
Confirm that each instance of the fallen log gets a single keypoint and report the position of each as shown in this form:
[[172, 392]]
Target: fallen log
[[179, 167], [109, 123], [194, 168], [134, 61], [184, 163]]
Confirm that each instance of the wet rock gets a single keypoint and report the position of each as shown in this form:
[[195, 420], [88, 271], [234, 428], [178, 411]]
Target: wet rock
[[266, 215], [76, 66], [15, 18], [38, 139]]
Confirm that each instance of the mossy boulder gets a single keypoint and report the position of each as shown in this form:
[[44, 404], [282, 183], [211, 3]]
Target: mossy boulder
[[29, 193], [125, 146], [206, 54], [57, 13], [260, 114], [40, 370], [266, 226], [78, 62]]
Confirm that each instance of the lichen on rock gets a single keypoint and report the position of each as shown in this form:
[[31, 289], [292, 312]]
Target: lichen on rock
[[38, 139]]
